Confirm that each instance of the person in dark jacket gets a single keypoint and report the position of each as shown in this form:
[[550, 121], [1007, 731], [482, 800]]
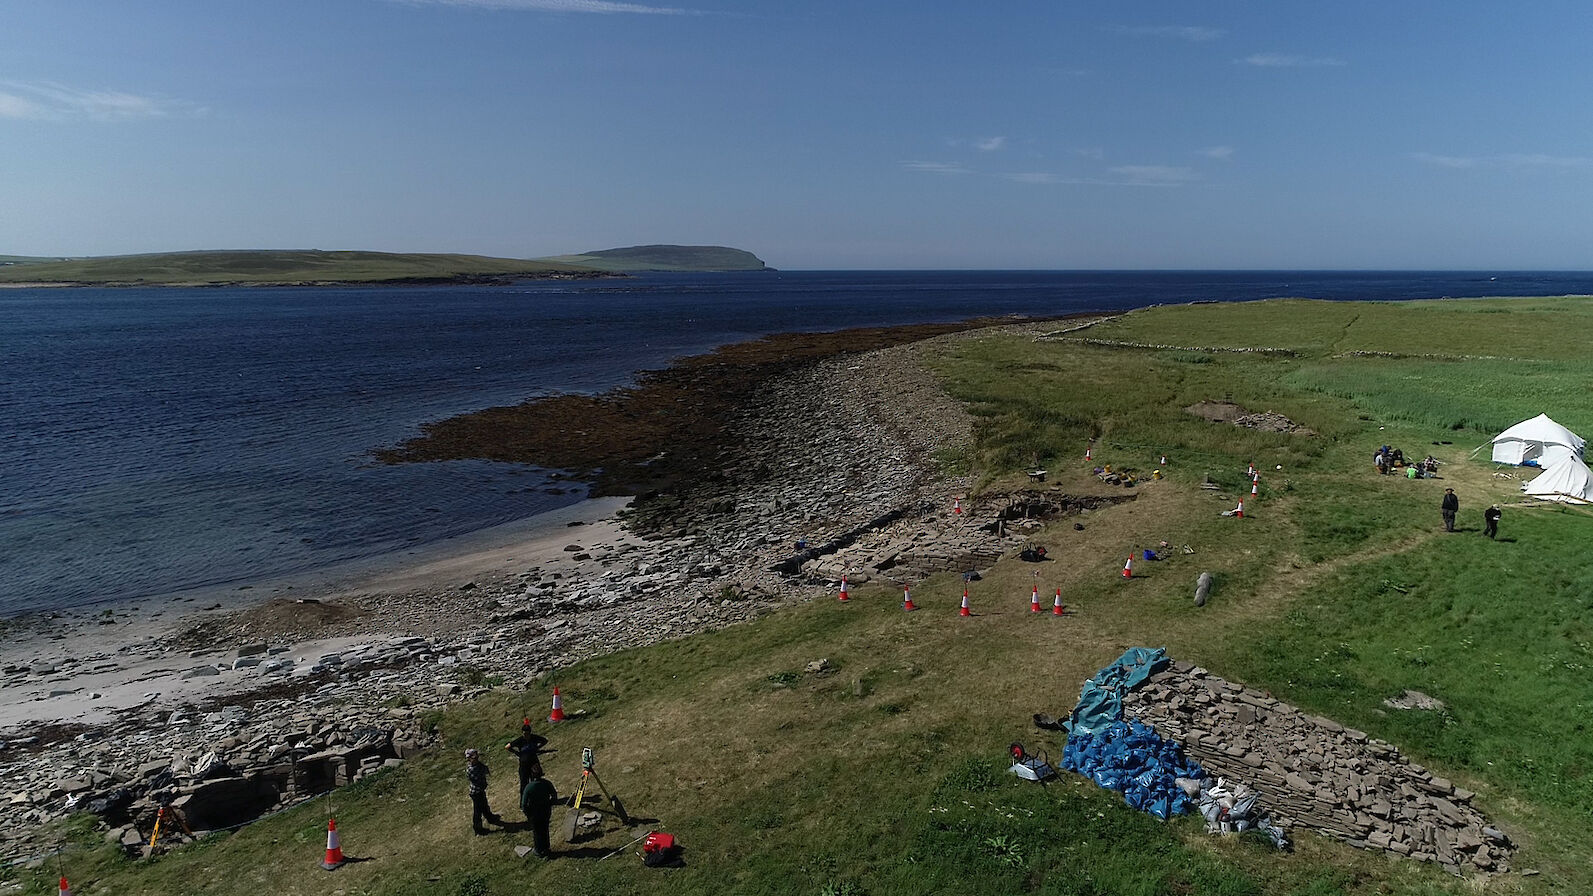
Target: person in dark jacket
[[1490, 518], [1449, 508], [528, 749], [476, 773], [536, 801]]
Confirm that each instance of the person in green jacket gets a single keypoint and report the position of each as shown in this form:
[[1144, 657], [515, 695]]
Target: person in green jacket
[[536, 801]]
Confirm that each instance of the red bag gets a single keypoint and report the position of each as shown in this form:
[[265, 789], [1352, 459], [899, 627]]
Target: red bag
[[660, 850]]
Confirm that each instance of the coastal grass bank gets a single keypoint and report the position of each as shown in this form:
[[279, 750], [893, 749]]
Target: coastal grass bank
[[883, 771]]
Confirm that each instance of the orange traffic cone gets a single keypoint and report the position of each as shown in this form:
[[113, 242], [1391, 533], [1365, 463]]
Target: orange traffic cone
[[334, 851], [907, 598], [1128, 568], [964, 611], [1057, 608], [844, 597], [956, 505], [558, 706], [1034, 600], [1239, 512], [66, 889]]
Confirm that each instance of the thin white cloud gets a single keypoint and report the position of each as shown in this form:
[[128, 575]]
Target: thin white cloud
[[1035, 177], [1284, 60], [1154, 175], [1220, 153], [13, 106], [1503, 160], [1091, 152], [1195, 33], [49, 101], [990, 144], [605, 7], [936, 167], [1444, 161], [1123, 176]]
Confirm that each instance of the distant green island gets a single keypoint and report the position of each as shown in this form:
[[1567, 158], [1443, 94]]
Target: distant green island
[[315, 267]]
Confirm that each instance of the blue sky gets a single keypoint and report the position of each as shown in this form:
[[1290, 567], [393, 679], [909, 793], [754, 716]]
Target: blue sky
[[817, 134]]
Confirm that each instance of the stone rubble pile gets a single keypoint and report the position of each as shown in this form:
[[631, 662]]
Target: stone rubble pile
[[1313, 772]]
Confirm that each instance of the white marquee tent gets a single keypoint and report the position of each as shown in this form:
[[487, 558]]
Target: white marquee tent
[[1568, 481], [1539, 440]]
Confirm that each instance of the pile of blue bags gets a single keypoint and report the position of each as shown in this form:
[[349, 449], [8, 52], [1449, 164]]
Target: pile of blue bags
[[1125, 755]]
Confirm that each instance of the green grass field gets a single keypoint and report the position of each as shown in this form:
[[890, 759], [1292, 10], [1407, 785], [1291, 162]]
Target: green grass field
[[636, 259], [271, 266], [278, 266], [886, 775]]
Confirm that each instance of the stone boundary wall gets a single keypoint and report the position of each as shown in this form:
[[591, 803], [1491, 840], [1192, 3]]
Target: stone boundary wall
[[1314, 773]]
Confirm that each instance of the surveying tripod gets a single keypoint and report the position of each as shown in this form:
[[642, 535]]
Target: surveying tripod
[[165, 817], [573, 817]]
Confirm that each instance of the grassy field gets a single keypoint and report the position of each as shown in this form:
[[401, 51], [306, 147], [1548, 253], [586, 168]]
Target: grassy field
[[273, 266], [636, 259], [886, 775], [278, 266]]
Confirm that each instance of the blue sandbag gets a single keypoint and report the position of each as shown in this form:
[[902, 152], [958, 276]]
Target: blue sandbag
[[1127, 756]]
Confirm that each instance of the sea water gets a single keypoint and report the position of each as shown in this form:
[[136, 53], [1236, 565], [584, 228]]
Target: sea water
[[157, 440]]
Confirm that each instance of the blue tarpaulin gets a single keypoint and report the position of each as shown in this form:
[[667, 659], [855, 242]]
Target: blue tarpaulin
[[1101, 700], [1127, 756]]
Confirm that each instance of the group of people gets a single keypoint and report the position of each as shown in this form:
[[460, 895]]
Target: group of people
[[537, 793], [1451, 506], [1392, 460]]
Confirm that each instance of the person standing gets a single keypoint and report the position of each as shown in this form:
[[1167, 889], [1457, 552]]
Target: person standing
[[1490, 518], [476, 773], [536, 801], [527, 748], [1449, 508]]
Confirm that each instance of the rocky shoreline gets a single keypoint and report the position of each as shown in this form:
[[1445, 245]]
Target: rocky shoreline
[[232, 714]]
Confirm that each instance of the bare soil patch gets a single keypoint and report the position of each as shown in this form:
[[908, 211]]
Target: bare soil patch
[[1228, 412]]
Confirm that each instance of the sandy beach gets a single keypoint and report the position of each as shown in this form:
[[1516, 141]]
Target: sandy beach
[[111, 696], [85, 668]]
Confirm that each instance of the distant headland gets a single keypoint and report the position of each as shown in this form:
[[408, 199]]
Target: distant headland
[[315, 267]]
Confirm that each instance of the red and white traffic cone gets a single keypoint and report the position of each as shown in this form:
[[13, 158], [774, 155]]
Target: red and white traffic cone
[[1088, 455], [965, 611], [1164, 460], [334, 850], [956, 505], [1255, 487], [1057, 608], [907, 598], [557, 715], [1128, 568], [1034, 600], [1239, 512], [844, 596], [66, 888], [1250, 471]]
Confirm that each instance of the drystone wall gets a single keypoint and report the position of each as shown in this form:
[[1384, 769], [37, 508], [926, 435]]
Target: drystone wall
[[1315, 773]]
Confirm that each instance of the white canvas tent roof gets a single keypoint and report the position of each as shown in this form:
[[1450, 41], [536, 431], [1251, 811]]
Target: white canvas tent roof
[[1539, 439], [1568, 481]]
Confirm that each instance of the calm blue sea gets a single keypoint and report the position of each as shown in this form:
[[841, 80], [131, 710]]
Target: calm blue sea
[[158, 440]]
